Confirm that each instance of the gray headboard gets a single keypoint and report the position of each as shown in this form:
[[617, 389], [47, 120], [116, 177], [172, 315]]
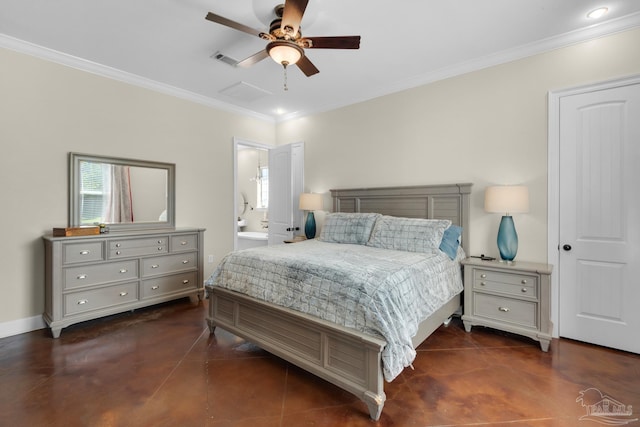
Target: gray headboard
[[447, 201]]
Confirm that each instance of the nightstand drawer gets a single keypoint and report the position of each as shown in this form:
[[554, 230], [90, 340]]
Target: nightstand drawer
[[523, 313], [520, 285]]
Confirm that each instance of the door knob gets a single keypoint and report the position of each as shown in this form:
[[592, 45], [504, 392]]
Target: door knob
[[566, 247]]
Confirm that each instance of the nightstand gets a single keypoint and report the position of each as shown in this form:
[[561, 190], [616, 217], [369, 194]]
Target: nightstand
[[513, 297]]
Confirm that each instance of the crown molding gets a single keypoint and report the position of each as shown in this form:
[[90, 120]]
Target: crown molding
[[31, 49], [592, 32], [595, 31]]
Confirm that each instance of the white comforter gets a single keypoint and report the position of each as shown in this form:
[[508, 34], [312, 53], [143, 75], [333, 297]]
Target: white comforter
[[380, 292]]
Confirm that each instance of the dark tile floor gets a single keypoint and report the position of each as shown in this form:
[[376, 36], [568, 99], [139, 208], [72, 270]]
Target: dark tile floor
[[160, 367]]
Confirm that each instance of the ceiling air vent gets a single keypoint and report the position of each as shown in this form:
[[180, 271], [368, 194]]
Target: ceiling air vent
[[224, 58]]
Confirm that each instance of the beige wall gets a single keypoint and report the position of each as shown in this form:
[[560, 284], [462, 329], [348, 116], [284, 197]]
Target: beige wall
[[488, 127], [48, 110]]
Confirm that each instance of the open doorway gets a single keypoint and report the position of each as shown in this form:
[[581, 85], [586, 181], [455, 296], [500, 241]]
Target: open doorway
[[251, 189]]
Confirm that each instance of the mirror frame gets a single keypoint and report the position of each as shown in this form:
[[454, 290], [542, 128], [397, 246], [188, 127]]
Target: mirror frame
[[74, 190]]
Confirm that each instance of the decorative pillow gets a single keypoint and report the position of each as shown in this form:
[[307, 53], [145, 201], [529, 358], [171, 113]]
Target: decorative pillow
[[408, 234], [451, 241], [354, 228]]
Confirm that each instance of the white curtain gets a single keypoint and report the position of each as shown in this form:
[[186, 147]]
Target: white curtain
[[118, 203]]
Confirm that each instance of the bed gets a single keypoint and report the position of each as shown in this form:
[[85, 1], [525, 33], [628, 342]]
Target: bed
[[350, 352]]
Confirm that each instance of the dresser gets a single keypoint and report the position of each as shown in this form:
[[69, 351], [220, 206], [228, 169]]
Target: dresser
[[88, 277], [513, 297]]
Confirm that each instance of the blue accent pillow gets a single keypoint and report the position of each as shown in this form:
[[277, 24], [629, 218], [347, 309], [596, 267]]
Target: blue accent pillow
[[451, 241], [353, 228]]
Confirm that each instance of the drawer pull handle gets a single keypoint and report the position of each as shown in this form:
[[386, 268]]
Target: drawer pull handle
[[155, 287], [117, 245], [159, 248], [155, 266], [483, 283], [524, 290], [82, 276], [483, 275], [122, 294], [83, 301], [183, 243], [524, 281], [184, 282], [123, 270], [504, 309], [118, 252], [186, 261], [85, 252], [159, 242]]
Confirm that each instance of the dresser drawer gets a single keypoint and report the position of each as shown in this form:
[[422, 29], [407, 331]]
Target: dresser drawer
[[184, 242], [169, 264], [519, 312], [169, 284], [75, 277], [123, 248], [516, 284], [94, 299], [82, 252]]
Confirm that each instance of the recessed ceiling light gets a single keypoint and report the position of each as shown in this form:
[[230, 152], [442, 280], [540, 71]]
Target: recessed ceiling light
[[597, 13]]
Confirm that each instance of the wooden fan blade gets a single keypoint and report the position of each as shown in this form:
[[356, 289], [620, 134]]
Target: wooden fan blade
[[307, 66], [232, 24], [256, 57], [292, 15], [337, 42]]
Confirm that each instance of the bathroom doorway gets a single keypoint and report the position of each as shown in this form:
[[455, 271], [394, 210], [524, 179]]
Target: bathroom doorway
[[251, 192]]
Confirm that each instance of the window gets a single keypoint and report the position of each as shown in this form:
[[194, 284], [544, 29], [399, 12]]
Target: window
[[263, 187], [93, 179]]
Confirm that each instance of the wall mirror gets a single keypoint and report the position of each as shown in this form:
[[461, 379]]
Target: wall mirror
[[124, 194]]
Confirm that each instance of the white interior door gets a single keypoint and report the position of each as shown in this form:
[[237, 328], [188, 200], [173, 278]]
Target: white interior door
[[599, 219], [286, 182]]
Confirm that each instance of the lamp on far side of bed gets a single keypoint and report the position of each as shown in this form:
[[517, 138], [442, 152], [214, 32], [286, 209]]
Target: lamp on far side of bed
[[310, 202], [507, 199]]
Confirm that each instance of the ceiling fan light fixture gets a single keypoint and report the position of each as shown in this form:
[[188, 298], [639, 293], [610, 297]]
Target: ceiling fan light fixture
[[284, 52]]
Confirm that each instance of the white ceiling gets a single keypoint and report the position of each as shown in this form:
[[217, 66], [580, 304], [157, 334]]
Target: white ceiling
[[167, 45]]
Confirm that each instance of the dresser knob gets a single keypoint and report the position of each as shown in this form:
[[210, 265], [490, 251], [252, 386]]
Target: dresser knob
[[159, 248], [524, 281], [118, 252], [483, 276], [183, 243], [483, 283], [117, 245], [159, 242], [504, 309], [524, 290]]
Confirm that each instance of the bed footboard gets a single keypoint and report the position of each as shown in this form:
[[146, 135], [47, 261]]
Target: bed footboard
[[342, 356]]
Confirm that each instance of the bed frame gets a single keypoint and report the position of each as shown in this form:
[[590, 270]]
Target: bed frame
[[345, 357]]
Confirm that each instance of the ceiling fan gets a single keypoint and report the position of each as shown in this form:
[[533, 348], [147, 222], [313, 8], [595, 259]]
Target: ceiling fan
[[286, 43]]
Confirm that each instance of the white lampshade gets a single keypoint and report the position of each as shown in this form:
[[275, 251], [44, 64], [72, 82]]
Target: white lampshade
[[310, 202], [506, 199], [284, 52]]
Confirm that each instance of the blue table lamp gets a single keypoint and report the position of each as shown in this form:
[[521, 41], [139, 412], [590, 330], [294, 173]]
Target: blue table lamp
[[310, 202], [507, 199]]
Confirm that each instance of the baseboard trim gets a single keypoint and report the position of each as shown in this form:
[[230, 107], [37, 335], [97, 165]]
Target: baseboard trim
[[20, 326]]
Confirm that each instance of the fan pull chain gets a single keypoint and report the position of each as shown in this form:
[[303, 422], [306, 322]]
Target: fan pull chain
[[285, 75]]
